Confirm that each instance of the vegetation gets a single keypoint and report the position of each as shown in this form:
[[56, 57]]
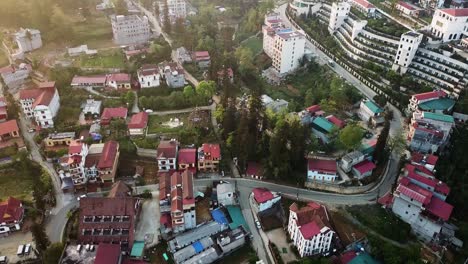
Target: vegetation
[[40, 238], [104, 59], [351, 136], [53, 253], [386, 26], [254, 44], [391, 254]]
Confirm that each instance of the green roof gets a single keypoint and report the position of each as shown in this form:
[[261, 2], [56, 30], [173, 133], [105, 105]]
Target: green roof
[[323, 123], [363, 258], [237, 218], [438, 104], [137, 249], [439, 117], [373, 107]]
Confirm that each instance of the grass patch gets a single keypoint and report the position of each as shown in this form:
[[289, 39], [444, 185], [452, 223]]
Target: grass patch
[[96, 32], [105, 59], [255, 44], [16, 184], [156, 123]]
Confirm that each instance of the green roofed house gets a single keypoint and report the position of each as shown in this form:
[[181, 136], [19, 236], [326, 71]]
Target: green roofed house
[[237, 218], [442, 105], [438, 117], [321, 128], [137, 249], [370, 110]]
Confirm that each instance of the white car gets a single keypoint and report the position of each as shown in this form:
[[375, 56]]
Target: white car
[[257, 223], [149, 111], [81, 196], [31, 130], [4, 229]]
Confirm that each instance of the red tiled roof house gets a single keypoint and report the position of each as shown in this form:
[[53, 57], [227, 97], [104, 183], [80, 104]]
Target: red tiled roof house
[[167, 155], [264, 199], [209, 156], [138, 123], [119, 81], [41, 103], [11, 212], [109, 161], [202, 59], [187, 159], [321, 169], [113, 113]]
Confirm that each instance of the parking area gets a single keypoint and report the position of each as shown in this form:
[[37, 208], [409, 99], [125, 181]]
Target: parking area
[[147, 228], [9, 246], [278, 237]]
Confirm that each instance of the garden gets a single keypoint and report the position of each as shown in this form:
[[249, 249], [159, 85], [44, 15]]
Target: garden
[[104, 59]]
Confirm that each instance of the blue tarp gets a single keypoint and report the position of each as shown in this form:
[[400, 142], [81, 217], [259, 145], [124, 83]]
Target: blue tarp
[[219, 216], [198, 247]]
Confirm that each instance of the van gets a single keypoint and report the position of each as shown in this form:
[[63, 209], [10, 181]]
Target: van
[[27, 249], [87, 247], [20, 250]]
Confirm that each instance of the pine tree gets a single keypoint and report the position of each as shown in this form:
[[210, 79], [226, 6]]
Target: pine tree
[[167, 20], [40, 237], [379, 152]]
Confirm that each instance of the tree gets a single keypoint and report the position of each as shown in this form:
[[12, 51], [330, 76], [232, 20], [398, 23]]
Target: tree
[[397, 142], [53, 253], [118, 129], [129, 98], [351, 136], [245, 57], [179, 27], [379, 151], [189, 92], [40, 238], [166, 18], [206, 89]]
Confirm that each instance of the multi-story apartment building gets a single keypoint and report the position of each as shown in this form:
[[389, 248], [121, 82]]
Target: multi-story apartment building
[[138, 123], [167, 155], [177, 9], [41, 103], [130, 29], [209, 156], [428, 102], [172, 74], [28, 39], [450, 24], [310, 230], [148, 76], [409, 43], [430, 132], [77, 152], [109, 161], [14, 76], [339, 12]]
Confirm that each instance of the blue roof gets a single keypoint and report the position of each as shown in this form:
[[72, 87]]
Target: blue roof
[[219, 216], [198, 246]]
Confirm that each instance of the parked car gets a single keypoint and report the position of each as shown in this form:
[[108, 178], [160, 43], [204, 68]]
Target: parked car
[[4, 230], [81, 196], [3, 259], [257, 223], [31, 130]]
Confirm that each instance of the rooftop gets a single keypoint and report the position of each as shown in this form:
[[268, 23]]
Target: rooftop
[[119, 77], [440, 208], [456, 12], [364, 166], [167, 149], [336, 121], [323, 123], [322, 165], [262, 195], [8, 127], [364, 3], [10, 210], [118, 112], [438, 117], [107, 254], [311, 219], [187, 156], [438, 104], [139, 120], [373, 107], [430, 95], [109, 154], [93, 79]]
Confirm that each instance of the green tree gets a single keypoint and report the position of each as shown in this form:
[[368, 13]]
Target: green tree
[[189, 92], [351, 136], [166, 19], [245, 58], [118, 129], [206, 89], [129, 98], [53, 253], [397, 142], [40, 238], [379, 151]]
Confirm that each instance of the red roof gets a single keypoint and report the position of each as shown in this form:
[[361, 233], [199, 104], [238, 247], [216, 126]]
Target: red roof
[[11, 210], [7, 69], [424, 158], [386, 200], [414, 192], [109, 154], [166, 220], [364, 3], [262, 195], [50, 84], [95, 79], [440, 208], [202, 55], [336, 121], [187, 156], [119, 77], [430, 95], [253, 168], [148, 70], [139, 120], [107, 254], [75, 147], [118, 112], [8, 127], [364, 166], [167, 149], [309, 230], [406, 5], [312, 109], [211, 151], [310, 219], [457, 12], [439, 186], [419, 169], [322, 165], [42, 95]]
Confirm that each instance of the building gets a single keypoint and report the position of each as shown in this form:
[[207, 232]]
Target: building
[[108, 253], [138, 123], [304, 7], [109, 161], [449, 24], [254, 170], [276, 106], [351, 159], [336, 121], [322, 129], [9, 130], [435, 101], [167, 155], [364, 7], [130, 29], [264, 199], [28, 39], [321, 169], [108, 220], [148, 76], [172, 74], [93, 81], [363, 169], [431, 4], [187, 159], [75, 168], [56, 139], [310, 230], [426, 160], [226, 194], [82, 49], [430, 132], [91, 109], [368, 110], [41, 103], [11, 212], [13, 76], [209, 156], [119, 81], [202, 59], [339, 12], [177, 9], [409, 44], [408, 9], [183, 55], [110, 114], [3, 110]]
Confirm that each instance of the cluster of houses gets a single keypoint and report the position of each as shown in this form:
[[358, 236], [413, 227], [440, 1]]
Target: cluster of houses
[[11, 216], [9, 131]]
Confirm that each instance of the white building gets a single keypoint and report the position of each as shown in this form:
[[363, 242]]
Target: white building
[[339, 12], [177, 9], [91, 108], [408, 9], [130, 29], [264, 199], [172, 74], [310, 230], [226, 193], [364, 6], [77, 152], [321, 169], [149, 76], [369, 110], [351, 159], [304, 7], [167, 155], [28, 39], [41, 103], [450, 24], [409, 43]]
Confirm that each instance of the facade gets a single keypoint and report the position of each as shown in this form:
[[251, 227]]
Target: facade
[[226, 194], [172, 74], [9, 130], [264, 199], [28, 39], [138, 123], [63, 138], [310, 230], [77, 152], [351, 159], [408, 9], [339, 12], [450, 24], [3, 110], [363, 169], [364, 6], [409, 43], [202, 59], [11, 212], [109, 161], [321, 169], [110, 114], [322, 128], [167, 155], [14, 76], [91, 109], [209, 156], [187, 159], [41, 103], [430, 132], [369, 110], [94, 81], [148, 76], [119, 81], [130, 29], [177, 9]]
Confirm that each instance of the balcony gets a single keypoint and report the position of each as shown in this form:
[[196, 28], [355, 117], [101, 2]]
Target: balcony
[[434, 56], [435, 72], [368, 35]]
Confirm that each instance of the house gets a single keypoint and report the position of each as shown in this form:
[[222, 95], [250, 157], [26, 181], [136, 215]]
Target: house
[[3, 110], [91, 109], [176, 9], [230, 75], [108, 220], [310, 230], [408, 9], [363, 169], [75, 168], [264, 199], [336, 121], [209, 156], [110, 114], [436, 101], [130, 53], [364, 6], [167, 155], [425, 179], [82, 49], [13, 76], [28, 39], [449, 24], [322, 129], [187, 159], [109, 161], [11, 212], [56, 139], [226, 194], [138, 123], [187, 238], [119, 81], [254, 170], [368, 110], [108, 253], [148, 76], [430, 132], [276, 106], [321, 169], [427, 160], [94, 81], [183, 55], [172, 74], [130, 29], [202, 59], [351, 159], [9, 130], [41, 103]]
